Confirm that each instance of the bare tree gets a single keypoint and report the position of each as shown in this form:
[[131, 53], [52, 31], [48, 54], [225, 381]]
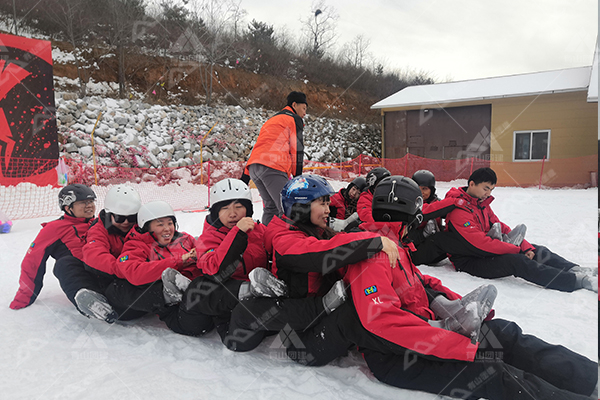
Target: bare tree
[[71, 17], [355, 53], [319, 29], [218, 21], [116, 28]]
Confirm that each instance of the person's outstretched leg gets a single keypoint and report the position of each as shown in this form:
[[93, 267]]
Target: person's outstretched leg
[[520, 266], [555, 364], [73, 276], [489, 379]]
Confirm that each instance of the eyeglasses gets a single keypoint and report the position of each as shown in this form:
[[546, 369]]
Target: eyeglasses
[[119, 219], [84, 202]]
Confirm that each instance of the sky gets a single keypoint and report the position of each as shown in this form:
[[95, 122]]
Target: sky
[[459, 39]]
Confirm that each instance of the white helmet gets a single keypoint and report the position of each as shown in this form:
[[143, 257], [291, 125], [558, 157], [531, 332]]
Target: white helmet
[[229, 189], [154, 210], [122, 200]]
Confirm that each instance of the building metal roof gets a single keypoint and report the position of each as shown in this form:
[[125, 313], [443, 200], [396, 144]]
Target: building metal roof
[[531, 84]]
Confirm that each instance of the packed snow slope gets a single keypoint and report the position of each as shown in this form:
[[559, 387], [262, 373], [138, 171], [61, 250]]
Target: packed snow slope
[[50, 351]]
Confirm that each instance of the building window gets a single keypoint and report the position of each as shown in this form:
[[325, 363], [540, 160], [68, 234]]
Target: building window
[[531, 145]]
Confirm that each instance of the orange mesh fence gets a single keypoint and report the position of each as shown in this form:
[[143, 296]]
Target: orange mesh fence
[[186, 188]]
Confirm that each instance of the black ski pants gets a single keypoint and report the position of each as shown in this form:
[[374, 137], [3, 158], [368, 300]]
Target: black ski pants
[[546, 269], [509, 364], [149, 299], [73, 275], [242, 325]]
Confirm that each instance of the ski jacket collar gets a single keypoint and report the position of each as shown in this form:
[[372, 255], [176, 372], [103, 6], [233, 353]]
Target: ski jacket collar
[[461, 193]]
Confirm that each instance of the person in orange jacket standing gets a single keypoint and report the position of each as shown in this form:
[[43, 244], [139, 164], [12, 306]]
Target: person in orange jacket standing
[[278, 154]]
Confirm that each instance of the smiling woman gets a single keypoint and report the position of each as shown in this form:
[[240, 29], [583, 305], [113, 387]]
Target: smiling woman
[[154, 249]]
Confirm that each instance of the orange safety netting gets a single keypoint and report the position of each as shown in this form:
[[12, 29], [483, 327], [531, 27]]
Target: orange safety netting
[[186, 188]]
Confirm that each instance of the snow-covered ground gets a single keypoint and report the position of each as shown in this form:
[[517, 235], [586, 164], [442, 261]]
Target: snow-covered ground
[[52, 351]]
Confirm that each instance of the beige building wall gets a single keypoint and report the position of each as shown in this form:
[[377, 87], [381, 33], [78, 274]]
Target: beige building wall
[[573, 126]]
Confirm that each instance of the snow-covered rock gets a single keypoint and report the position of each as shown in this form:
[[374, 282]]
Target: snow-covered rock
[[160, 134]]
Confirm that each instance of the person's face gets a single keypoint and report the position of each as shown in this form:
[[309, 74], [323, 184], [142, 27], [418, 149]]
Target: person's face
[[300, 109], [231, 214], [319, 211], [163, 230], [425, 192], [124, 226], [353, 193], [481, 191], [83, 208]]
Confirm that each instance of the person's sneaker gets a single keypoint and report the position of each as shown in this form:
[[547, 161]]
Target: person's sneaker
[[515, 236], [174, 284], [335, 297], [264, 284], [495, 231], [93, 304], [483, 296]]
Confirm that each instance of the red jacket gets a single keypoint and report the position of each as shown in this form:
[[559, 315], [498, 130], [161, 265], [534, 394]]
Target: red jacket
[[301, 260], [392, 304], [219, 247], [59, 238], [280, 143], [338, 204], [391, 230], [433, 210], [472, 219], [102, 248], [143, 260], [364, 207]]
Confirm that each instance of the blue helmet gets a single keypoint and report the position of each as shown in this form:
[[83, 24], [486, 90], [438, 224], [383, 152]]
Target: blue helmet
[[299, 192]]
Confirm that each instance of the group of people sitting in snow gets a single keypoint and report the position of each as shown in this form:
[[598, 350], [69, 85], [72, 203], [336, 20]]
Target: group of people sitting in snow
[[333, 272]]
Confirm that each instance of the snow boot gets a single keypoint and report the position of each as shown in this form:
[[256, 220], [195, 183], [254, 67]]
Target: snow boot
[[585, 281], [174, 284], [495, 231], [430, 228], [466, 321], [483, 296], [262, 284], [515, 236], [584, 270], [335, 297], [93, 304]]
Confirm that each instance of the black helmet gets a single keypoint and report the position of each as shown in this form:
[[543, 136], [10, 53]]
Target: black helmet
[[72, 193], [360, 183], [424, 178], [397, 198], [375, 176]]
